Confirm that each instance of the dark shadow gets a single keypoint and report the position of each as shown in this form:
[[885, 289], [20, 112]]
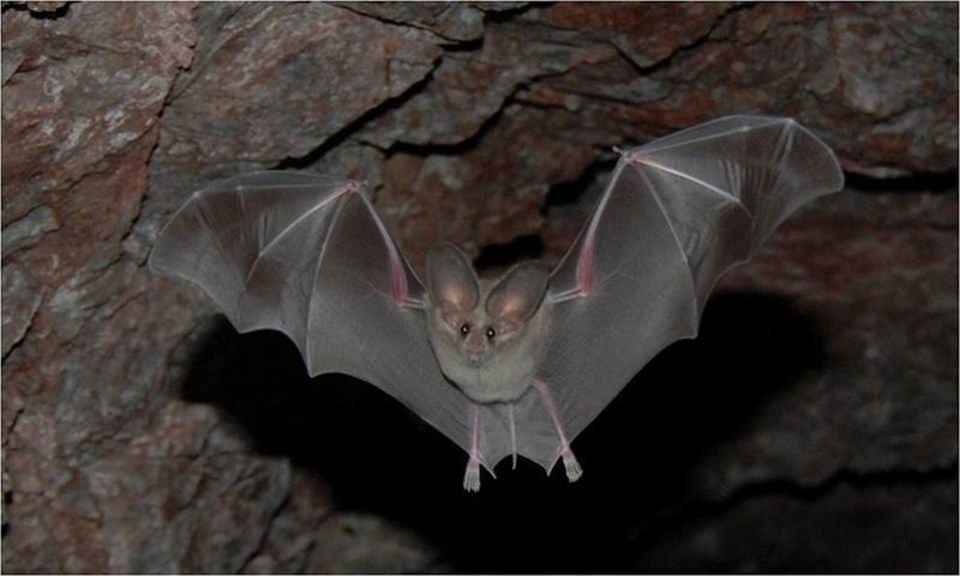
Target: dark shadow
[[496, 256], [590, 182], [39, 11], [934, 182], [637, 455]]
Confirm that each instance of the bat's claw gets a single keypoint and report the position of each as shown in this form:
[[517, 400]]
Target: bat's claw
[[471, 479], [574, 471]]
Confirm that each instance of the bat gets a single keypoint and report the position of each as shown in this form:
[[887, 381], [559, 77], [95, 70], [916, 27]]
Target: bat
[[515, 365]]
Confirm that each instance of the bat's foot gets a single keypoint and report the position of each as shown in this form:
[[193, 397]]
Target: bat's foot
[[574, 471], [471, 478]]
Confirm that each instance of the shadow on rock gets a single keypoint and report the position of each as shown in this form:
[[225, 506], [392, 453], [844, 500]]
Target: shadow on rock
[[378, 457]]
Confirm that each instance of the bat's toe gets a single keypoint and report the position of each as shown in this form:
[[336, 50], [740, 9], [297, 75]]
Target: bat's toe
[[471, 479], [574, 471]]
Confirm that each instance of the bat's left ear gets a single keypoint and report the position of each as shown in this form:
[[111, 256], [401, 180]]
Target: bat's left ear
[[518, 295], [451, 281]]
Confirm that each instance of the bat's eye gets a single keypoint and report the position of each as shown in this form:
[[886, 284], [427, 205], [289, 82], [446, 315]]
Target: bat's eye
[[491, 333], [465, 328]]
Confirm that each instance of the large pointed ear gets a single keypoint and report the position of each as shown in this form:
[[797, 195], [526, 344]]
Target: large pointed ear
[[518, 295], [451, 280]]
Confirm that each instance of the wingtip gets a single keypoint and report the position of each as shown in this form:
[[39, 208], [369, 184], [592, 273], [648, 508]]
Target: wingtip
[[152, 265], [837, 178]]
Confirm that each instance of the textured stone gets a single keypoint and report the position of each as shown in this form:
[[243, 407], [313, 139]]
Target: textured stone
[[458, 22], [27, 231], [80, 111], [467, 90], [900, 106], [482, 196], [273, 82], [289, 546], [64, 109], [352, 543], [646, 33], [845, 530], [850, 71], [21, 299]]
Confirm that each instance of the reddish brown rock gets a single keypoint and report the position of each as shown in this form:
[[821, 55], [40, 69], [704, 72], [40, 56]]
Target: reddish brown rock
[[81, 105], [292, 538], [827, 73], [646, 34], [482, 196], [274, 82], [468, 90], [307, 536], [459, 22], [21, 299], [65, 111]]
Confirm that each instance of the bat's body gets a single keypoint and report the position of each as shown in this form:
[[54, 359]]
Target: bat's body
[[488, 336], [520, 364]]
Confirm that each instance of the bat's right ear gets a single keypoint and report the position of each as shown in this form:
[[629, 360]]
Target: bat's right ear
[[517, 296], [451, 280]]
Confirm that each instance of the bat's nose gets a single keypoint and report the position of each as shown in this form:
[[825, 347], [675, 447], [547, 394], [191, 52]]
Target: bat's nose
[[474, 358], [475, 347]]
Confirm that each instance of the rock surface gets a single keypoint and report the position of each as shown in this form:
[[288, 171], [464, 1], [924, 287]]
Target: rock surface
[[809, 428]]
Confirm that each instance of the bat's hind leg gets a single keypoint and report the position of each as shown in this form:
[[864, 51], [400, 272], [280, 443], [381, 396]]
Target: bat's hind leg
[[471, 478], [574, 471], [570, 464]]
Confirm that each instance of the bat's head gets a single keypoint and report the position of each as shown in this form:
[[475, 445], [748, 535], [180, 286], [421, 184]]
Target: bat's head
[[486, 334]]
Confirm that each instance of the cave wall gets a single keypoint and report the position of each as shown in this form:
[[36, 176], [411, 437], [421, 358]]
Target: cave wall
[[811, 426]]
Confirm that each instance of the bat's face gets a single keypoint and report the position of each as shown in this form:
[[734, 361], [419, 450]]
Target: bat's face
[[486, 335]]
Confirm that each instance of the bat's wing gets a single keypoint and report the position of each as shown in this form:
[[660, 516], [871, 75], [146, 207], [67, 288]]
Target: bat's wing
[[677, 213], [309, 256]]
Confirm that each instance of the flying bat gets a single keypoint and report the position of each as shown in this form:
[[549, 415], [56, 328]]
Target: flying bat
[[522, 363]]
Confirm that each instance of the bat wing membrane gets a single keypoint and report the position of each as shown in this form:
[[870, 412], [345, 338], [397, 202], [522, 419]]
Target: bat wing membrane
[[309, 256], [676, 215]]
